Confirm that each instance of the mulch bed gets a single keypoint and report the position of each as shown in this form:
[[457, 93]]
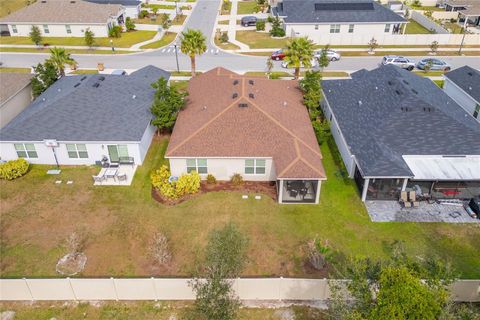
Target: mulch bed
[[261, 187]]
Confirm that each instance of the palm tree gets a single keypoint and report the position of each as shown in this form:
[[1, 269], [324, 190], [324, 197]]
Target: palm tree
[[193, 42], [299, 52], [59, 57]]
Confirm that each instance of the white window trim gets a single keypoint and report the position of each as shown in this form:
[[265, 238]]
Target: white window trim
[[336, 28], [197, 166], [14, 28], [46, 29], [351, 28], [68, 29], [255, 166], [389, 28], [75, 145], [27, 156]]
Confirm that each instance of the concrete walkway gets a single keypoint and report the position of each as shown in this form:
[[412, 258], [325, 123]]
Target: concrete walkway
[[232, 27], [157, 37]]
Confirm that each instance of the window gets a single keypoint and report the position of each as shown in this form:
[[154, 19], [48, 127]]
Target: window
[[350, 28], [387, 28], [255, 166], [115, 151], [77, 151], [316, 27], [45, 29], [26, 150], [334, 28], [14, 28], [477, 111], [67, 27], [199, 165]]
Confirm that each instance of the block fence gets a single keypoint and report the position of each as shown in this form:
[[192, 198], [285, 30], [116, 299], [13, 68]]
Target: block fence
[[88, 289]]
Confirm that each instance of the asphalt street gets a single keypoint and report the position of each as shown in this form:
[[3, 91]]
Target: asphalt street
[[203, 18]]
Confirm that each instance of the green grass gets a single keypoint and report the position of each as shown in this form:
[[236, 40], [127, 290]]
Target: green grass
[[180, 85], [439, 83], [428, 8], [258, 40], [413, 27], [9, 6], [454, 27], [158, 20], [226, 8], [223, 22], [288, 74], [72, 51], [226, 45], [85, 71], [119, 222], [167, 38], [17, 70], [159, 6], [127, 40], [430, 73], [246, 7], [183, 73]]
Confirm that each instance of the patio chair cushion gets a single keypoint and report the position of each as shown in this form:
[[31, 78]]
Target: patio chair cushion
[[126, 160]]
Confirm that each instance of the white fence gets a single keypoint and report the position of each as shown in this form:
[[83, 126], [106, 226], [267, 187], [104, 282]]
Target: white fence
[[427, 23], [397, 39], [179, 289]]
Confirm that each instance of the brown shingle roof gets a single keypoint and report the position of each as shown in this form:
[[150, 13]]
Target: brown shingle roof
[[63, 11], [274, 124], [11, 83]]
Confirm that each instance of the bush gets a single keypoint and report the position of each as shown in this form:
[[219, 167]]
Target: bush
[[224, 37], [236, 179], [13, 169], [186, 184], [143, 14], [159, 249], [277, 30], [260, 25], [129, 24], [211, 179], [115, 32]]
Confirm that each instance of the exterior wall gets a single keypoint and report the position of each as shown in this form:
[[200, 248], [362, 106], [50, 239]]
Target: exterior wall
[[59, 30], [225, 168], [309, 30], [460, 97], [132, 11], [11, 108], [146, 141], [96, 151]]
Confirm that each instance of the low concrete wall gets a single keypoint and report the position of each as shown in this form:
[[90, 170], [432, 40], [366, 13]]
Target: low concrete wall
[[396, 39], [178, 289], [427, 23]]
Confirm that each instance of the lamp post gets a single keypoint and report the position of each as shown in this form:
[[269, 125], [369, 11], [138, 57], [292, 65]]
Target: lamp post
[[111, 43], [176, 55]]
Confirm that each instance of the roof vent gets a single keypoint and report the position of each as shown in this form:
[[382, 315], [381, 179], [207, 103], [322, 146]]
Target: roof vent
[[376, 88], [251, 82], [235, 82], [470, 74], [470, 88], [427, 109], [405, 81], [76, 85], [414, 91], [59, 89], [405, 109], [251, 96], [96, 85], [73, 1], [243, 105], [101, 78], [390, 83], [398, 92], [284, 103], [43, 99], [360, 102], [134, 96], [83, 78], [235, 95]]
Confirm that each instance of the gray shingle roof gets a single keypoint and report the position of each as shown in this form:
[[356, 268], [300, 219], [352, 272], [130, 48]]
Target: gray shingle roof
[[303, 11], [380, 128], [468, 79], [126, 3], [12, 83], [109, 112]]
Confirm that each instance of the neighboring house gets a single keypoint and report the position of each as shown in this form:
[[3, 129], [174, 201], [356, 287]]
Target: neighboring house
[[397, 130], [88, 117], [132, 7], [252, 126], [463, 86], [320, 17], [64, 18], [469, 11], [15, 95]]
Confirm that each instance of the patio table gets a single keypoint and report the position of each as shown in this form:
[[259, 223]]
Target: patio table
[[111, 173]]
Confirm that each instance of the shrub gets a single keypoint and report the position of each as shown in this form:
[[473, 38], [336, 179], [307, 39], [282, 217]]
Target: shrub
[[211, 179], [143, 14], [224, 37], [187, 184], [13, 169], [318, 253], [159, 249], [115, 32], [129, 24], [236, 179], [260, 25], [277, 30], [269, 19]]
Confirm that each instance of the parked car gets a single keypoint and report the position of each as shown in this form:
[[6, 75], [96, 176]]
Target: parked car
[[314, 63], [399, 61], [331, 54], [248, 21], [119, 72], [278, 55], [435, 64]]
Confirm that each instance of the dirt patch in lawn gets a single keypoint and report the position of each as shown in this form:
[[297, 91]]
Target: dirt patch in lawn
[[266, 188]]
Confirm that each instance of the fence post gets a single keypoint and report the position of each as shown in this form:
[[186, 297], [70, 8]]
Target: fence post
[[71, 288], [114, 288], [154, 289], [28, 287]]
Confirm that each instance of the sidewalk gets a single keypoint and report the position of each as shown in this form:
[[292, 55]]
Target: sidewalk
[[157, 37], [232, 27], [353, 49]]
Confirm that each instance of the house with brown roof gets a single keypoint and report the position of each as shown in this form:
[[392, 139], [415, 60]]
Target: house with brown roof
[[64, 18], [252, 126], [15, 95]]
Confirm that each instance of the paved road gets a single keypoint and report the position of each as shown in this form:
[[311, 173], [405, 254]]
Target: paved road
[[203, 18]]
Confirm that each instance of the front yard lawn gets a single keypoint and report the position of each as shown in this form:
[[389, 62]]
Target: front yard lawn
[[413, 27], [246, 7], [127, 40], [259, 40], [119, 222], [167, 38], [19, 70]]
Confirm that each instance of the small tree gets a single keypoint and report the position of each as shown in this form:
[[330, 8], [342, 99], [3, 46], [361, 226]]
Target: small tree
[[312, 92], [45, 75], [428, 13], [167, 102], [269, 66], [75, 243], [193, 42], [129, 25], [35, 35], [159, 249], [155, 10], [318, 253], [115, 32], [89, 38], [434, 47], [277, 29], [323, 60], [372, 45]]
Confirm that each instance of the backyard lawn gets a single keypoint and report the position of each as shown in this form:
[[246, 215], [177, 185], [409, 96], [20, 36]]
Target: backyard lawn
[[119, 223], [258, 40], [127, 40], [246, 7], [413, 27]]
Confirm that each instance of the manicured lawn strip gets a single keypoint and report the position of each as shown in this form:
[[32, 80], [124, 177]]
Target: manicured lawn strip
[[226, 8], [181, 85], [258, 40], [167, 38], [223, 22], [183, 73], [72, 51], [246, 7], [158, 20], [430, 73], [9, 6], [84, 71], [226, 46], [413, 27], [125, 41], [264, 74], [428, 8], [408, 53], [439, 83], [17, 70], [288, 74], [159, 6], [120, 223], [179, 20]]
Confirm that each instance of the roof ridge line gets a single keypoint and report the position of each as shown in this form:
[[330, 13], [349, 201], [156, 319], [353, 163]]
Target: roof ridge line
[[289, 166], [283, 127], [311, 166]]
